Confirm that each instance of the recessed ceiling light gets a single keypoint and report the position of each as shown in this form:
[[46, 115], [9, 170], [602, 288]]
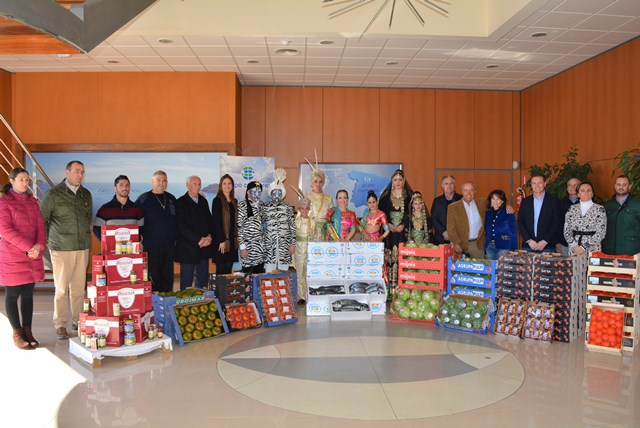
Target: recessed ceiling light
[[391, 63], [252, 61], [113, 61], [492, 66], [287, 52], [165, 41], [326, 42], [540, 34]]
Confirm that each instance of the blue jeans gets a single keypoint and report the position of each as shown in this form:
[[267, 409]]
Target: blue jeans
[[201, 271], [493, 253]]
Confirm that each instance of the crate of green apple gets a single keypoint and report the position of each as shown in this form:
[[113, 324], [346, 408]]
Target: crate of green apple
[[197, 321], [465, 313], [414, 304]]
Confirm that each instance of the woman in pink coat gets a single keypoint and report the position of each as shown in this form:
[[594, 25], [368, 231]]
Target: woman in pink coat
[[22, 239]]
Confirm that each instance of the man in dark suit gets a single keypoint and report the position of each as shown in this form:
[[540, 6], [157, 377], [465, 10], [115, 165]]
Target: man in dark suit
[[539, 219], [465, 222], [439, 209]]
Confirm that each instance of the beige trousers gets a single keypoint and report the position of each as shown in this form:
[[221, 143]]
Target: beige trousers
[[474, 251], [69, 277]]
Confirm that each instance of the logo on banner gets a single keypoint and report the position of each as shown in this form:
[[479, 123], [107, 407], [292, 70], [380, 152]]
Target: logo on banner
[[122, 234], [124, 266], [101, 327], [248, 173]]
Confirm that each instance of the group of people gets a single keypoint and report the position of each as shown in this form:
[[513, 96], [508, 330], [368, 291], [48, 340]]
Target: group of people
[[269, 236]]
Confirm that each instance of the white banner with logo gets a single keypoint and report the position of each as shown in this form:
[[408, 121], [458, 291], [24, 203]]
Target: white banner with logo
[[245, 169]]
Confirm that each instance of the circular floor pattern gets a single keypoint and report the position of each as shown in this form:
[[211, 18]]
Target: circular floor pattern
[[370, 370]]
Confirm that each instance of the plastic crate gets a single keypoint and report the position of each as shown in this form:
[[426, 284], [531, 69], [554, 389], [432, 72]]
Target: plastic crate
[[174, 330], [486, 324], [286, 310], [393, 313], [162, 305]]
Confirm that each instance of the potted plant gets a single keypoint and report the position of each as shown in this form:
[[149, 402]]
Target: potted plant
[[629, 165], [558, 174]]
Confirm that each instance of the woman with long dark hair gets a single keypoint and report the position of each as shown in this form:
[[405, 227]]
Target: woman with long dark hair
[[224, 209], [394, 202], [22, 239], [501, 234]]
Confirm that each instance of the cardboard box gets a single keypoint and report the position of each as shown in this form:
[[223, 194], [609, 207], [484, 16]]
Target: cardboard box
[[107, 326], [363, 271], [97, 266], [365, 248], [325, 270], [463, 265], [233, 288], [141, 323], [133, 298], [119, 267], [110, 234], [366, 259], [326, 252]]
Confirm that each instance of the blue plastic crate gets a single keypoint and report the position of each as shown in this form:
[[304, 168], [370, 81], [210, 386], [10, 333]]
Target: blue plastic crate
[[292, 278], [174, 330]]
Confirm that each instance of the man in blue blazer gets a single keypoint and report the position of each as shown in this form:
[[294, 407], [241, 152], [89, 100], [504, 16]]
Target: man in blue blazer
[[539, 220]]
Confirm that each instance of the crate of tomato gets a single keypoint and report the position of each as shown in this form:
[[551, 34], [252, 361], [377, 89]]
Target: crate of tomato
[[242, 316]]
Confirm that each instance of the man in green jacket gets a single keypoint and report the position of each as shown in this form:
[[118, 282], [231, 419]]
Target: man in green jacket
[[66, 210], [623, 221]]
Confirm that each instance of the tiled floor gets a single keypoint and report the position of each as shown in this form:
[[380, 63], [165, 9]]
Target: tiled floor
[[320, 374]]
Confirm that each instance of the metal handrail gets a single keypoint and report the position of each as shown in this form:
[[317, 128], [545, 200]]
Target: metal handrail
[[26, 151]]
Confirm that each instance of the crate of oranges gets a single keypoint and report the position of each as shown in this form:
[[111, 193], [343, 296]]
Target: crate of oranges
[[604, 330], [242, 316]]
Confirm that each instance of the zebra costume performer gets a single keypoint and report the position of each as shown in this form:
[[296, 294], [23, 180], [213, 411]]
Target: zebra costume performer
[[280, 231], [250, 231]]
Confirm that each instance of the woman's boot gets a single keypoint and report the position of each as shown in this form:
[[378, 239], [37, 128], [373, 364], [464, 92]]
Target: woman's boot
[[19, 340], [28, 334]]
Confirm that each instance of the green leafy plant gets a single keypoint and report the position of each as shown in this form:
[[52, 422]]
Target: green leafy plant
[[558, 174], [629, 165]]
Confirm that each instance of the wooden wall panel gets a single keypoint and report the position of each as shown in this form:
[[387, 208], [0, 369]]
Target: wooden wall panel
[[169, 116], [593, 106], [293, 124], [407, 135], [125, 108], [351, 125], [253, 121], [454, 120], [128, 111], [493, 130]]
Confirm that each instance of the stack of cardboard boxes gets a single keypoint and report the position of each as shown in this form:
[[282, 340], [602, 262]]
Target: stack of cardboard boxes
[[119, 289]]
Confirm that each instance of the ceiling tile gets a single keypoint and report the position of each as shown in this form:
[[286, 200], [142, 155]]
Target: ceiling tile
[[147, 60], [254, 69], [104, 51], [441, 80], [603, 22], [205, 40], [481, 44], [366, 42], [524, 66], [425, 63], [444, 44], [385, 71], [623, 7], [459, 65], [182, 61], [486, 74], [354, 70], [155, 40], [558, 48], [211, 50], [632, 26], [508, 74], [614, 38], [324, 51], [561, 20], [247, 41], [382, 62], [526, 33], [571, 59], [319, 77], [541, 58], [220, 68], [152, 68], [357, 62], [578, 36], [361, 52], [434, 54], [121, 68], [55, 69], [591, 6], [338, 41], [322, 61], [320, 70], [471, 80], [288, 60], [284, 41], [174, 50], [448, 73], [217, 60], [380, 78], [409, 79], [137, 51], [89, 68], [404, 43], [249, 51], [398, 53], [262, 60], [126, 40], [349, 78], [416, 72], [287, 69], [592, 49], [552, 68]]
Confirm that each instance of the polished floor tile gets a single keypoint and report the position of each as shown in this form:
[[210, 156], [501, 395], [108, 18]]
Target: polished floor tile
[[317, 373]]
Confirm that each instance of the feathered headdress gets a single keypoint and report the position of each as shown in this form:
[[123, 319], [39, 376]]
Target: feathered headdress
[[279, 176], [315, 170], [303, 201]]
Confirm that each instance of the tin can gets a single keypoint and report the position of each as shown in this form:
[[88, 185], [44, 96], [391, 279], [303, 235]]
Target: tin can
[[128, 326], [145, 274], [83, 336], [128, 248], [101, 279], [153, 331], [102, 342], [133, 277], [130, 339], [116, 309], [86, 305], [119, 249]]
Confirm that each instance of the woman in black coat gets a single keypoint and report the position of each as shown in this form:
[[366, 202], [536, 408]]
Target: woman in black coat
[[225, 226]]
